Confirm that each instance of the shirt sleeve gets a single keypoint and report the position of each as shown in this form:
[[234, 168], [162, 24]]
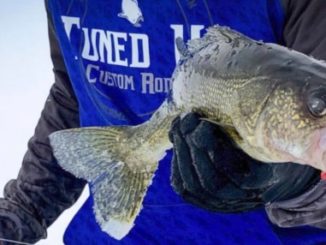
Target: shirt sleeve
[[304, 31], [42, 190], [305, 25], [306, 209]]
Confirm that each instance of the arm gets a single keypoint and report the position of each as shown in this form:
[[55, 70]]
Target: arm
[[304, 31], [305, 25], [42, 190]]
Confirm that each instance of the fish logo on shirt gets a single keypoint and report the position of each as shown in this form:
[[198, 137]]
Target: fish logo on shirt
[[131, 12]]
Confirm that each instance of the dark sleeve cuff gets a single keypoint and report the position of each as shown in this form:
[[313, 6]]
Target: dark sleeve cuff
[[17, 224], [306, 209]]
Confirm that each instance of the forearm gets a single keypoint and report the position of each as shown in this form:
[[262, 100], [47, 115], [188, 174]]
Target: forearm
[[42, 190], [305, 25]]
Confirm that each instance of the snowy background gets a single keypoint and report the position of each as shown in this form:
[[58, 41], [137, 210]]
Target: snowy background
[[25, 79]]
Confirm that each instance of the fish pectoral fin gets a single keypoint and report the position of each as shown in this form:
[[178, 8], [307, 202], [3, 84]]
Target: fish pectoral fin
[[228, 128], [224, 125], [98, 156]]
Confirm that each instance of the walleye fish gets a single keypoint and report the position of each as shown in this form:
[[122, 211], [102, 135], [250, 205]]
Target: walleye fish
[[270, 100]]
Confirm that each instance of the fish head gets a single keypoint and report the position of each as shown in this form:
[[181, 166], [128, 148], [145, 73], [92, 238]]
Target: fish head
[[292, 125]]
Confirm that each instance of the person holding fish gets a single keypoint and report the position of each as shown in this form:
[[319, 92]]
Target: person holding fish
[[244, 115]]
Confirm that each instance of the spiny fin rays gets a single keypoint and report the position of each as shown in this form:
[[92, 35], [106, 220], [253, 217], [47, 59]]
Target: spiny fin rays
[[118, 189]]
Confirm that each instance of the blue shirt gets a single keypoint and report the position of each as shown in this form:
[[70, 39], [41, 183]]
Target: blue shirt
[[120, 56]]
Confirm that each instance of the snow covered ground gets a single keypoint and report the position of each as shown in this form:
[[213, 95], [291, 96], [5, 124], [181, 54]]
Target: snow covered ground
[[25, 79]]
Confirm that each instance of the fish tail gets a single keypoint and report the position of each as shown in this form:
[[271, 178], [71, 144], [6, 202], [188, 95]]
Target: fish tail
[[119, 163], [100, 156]]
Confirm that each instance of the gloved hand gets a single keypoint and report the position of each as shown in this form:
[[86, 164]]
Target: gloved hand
[[209, 171]]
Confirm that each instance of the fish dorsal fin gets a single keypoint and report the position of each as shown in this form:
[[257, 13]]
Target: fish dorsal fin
[[229, 128], [221, 124], [216, 34], [194, 45], [224, 33], [182, 48]]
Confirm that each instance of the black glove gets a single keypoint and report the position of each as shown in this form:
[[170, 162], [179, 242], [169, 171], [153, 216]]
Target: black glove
[[208, 170]]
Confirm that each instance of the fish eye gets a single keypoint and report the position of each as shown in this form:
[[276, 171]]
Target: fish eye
[[317, 107]]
